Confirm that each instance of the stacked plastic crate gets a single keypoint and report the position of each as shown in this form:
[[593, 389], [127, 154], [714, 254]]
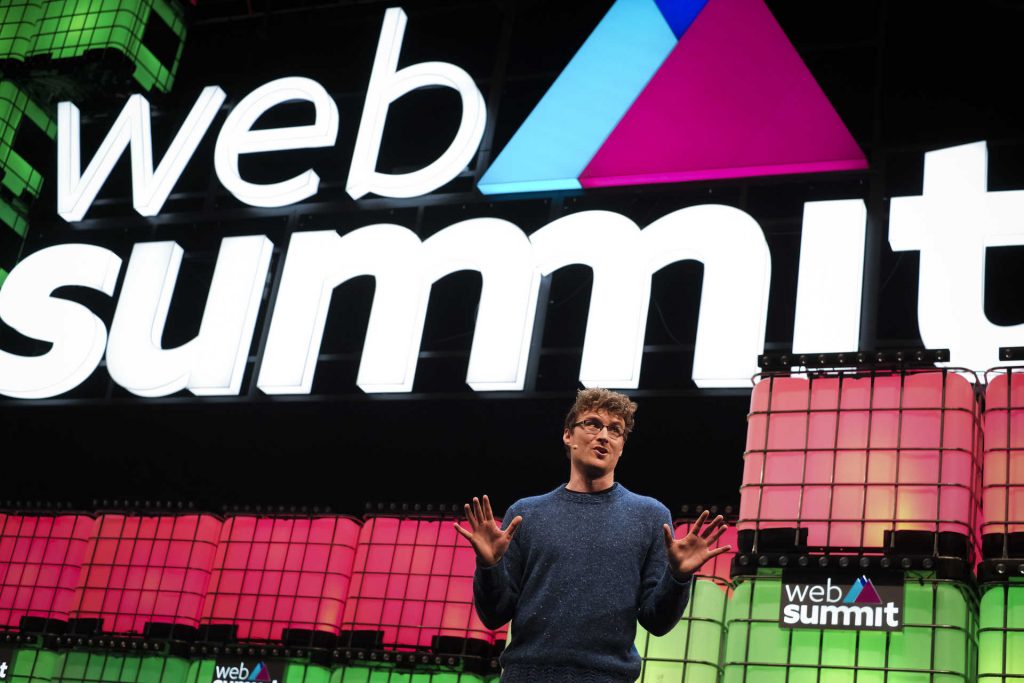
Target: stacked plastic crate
[[411, 600], [691, 652], [849, 476], [41, 560], [1001, 572]]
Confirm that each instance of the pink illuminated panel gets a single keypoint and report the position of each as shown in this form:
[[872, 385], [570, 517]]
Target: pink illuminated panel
[[413, 580], [40, 561], [277, 573], [1003, 485], [142, 569], [850, 457]]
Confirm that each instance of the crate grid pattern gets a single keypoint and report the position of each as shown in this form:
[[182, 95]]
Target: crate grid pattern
[[83, 666], [16, 110], [938, 643], [384, 674], [18, 21], [70, 28], [273, 573], [412, 581], [1001, 632], [1002, 526], [40, 563], [31, 665], [147, 569], [851, 457]]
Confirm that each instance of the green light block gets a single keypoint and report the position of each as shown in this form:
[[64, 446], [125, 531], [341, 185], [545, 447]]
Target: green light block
[[100, 667], [1001, 634], [386, 674], [938, 643], [150, 33], [17, 113], [13, 217], [18, 23], [690, 652], [30, 665]]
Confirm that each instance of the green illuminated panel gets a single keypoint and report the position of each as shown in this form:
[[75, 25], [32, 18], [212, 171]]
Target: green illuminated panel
[[31, 666], [689, 653], [1001, 635], [17, 114], [150, 33], [385, 674], [940, 636], [100, 667], [18, 23], [13, 217]]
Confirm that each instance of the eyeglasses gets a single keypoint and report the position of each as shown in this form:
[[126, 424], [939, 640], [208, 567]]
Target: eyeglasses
[[593, 426]]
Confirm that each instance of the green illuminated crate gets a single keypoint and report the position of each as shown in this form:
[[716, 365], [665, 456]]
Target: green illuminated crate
[[12, 241], [150, 33], [386, 674], [938, 643], [100, 667], [1001, 635], [18, 114], [31, 666], [690, 652], [18, 23], [204, 671]]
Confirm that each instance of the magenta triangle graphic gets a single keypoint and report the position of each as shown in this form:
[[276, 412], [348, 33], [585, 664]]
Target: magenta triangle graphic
[[261, 673], [733, 99], [868, 595]]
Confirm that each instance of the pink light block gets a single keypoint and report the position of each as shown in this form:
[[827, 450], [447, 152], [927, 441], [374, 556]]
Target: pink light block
[[40, 562], [413, 580], [1003, 479], [271, 573], [851, 457], [142, 569]]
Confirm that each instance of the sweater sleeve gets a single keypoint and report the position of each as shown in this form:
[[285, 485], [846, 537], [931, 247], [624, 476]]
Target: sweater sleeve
[[496, 589], [663, 598]]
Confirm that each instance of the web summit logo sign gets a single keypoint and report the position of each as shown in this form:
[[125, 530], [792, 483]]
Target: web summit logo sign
[[842, 602], [229, 671], [677, 90]]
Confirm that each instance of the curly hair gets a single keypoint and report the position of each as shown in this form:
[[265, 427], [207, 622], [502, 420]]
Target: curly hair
[[611, 402]]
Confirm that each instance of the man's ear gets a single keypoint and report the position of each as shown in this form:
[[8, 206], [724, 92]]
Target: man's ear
[[566, 436]]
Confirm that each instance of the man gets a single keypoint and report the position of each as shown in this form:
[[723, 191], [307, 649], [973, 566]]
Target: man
[[577, 568]]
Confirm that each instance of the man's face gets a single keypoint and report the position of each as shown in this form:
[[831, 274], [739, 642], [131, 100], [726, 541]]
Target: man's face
[[594, 455]]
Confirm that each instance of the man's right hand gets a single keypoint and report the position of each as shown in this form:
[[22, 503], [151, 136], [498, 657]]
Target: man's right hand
[[486, 537]]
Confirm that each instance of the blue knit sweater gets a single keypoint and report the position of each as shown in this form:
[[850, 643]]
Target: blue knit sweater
[[580, 573]]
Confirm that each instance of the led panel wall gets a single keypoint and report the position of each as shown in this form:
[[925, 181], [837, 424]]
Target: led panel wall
[[26, 131], [412, 582], [40, 562], [1001, 633], [938, 643], [18, 24], [1002, 529], [147, 569], [385, 674], [848, 459], [150, 33], [31, 665], [273, 573], [690, 652], [76, 666]]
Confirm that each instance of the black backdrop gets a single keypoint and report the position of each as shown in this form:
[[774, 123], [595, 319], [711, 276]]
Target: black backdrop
[[906, 77]]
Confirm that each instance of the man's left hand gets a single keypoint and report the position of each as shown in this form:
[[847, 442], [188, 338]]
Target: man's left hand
[[689, 553]]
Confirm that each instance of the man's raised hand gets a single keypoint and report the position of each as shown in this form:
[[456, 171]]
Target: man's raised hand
[[687, 554], [487, 538]]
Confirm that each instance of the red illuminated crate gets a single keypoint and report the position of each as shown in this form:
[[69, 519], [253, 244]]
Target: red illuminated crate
[[1002, 528], [276, 573], [862, 462], [146, 569], [412, 581], [721, 565], [40, 561]]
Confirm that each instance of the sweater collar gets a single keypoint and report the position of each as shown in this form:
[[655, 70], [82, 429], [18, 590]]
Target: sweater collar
[[597, 498]]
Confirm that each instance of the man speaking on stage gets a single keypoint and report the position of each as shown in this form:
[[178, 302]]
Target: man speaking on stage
[[576, 569]]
